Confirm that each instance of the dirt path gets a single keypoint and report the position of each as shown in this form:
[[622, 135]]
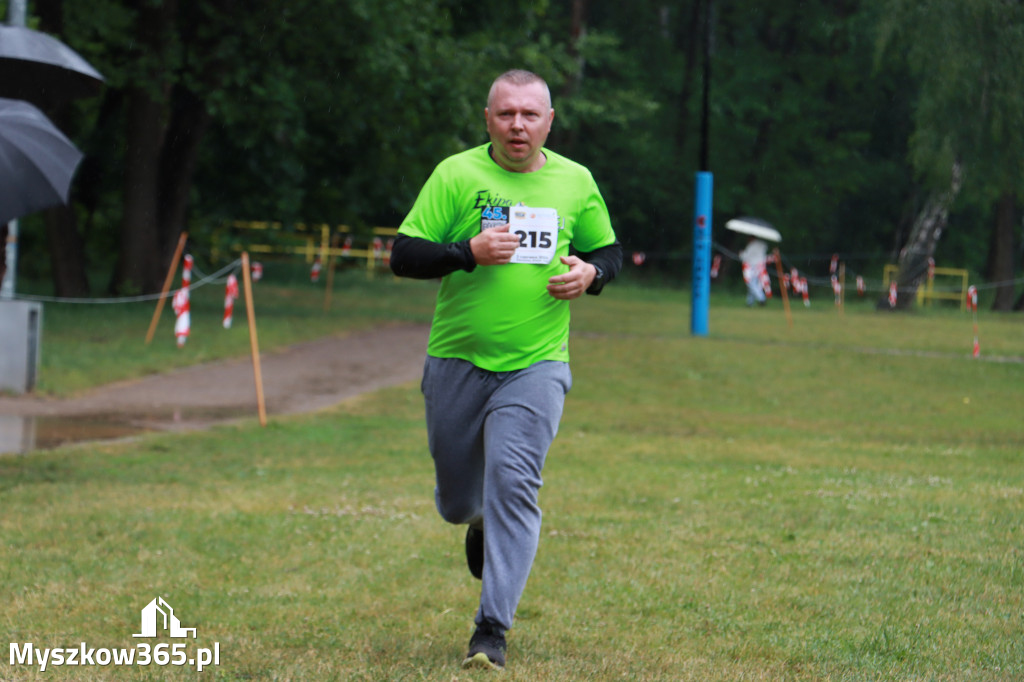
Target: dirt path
[[301, 378]]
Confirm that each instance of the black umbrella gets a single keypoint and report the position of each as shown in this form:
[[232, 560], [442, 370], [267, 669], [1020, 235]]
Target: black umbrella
[[37, 161], [40, 69]]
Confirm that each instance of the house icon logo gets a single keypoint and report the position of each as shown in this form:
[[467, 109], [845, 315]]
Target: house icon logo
[[159, 612]]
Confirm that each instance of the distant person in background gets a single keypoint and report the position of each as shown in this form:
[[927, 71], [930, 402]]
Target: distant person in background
[[754, 257]]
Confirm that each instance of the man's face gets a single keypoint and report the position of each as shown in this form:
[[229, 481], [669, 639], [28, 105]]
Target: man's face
[[518, 121]]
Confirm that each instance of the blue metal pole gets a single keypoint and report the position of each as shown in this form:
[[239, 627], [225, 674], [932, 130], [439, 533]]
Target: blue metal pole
[[701, 255]]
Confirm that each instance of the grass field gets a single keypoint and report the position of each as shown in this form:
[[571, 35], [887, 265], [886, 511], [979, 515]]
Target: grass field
[[842, 499]]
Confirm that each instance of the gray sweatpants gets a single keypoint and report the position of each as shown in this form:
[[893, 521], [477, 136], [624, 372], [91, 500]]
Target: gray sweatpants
[[489, 433]]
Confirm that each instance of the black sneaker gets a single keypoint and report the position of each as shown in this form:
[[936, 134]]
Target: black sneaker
[[486, 648], [475, 552]]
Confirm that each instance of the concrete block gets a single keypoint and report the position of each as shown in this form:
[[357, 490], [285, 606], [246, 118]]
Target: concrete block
[[21, 331]]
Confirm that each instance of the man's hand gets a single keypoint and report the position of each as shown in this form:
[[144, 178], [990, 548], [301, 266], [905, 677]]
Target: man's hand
[[494, 246], [572, 284]]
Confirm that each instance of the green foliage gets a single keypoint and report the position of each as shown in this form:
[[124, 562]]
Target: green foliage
[[345, 121], [336, 111], [970, 103], [801, 135]]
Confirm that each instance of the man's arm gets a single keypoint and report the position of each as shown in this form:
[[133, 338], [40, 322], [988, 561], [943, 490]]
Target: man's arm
[[608, 261], [588, 272], [423, 259]]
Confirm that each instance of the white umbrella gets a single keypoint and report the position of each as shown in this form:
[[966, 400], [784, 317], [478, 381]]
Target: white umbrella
[[755, 227]]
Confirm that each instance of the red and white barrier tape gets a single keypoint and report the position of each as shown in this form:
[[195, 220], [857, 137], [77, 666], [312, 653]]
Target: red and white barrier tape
[[181, 304], [230, 295]]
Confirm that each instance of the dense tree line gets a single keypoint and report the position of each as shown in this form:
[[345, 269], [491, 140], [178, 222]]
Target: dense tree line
[[877, 129]]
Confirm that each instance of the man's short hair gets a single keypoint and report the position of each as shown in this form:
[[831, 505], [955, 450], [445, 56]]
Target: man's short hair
[[518, 77]]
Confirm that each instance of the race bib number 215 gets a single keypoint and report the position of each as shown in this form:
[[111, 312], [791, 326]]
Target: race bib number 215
[[537, 229]]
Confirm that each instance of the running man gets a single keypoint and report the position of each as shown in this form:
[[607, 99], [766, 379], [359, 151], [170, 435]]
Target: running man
[[496, 223]]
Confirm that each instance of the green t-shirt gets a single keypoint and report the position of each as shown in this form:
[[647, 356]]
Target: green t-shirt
[[501, 317]]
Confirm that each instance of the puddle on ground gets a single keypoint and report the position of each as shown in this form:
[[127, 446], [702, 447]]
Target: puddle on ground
[[19, 435], [25, 434]]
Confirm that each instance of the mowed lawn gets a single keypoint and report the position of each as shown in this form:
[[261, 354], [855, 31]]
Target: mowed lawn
[[840, 499]]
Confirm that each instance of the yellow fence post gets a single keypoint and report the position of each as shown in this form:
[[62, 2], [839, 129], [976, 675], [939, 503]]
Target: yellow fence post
[[306, 246], [927, 292]]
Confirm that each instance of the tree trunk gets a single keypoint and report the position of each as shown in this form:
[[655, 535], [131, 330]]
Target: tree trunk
[[1001, 252], [567, 139], [141, 262], [577, 32], [188, 126], [166, 126], [67, 248], [920, 247], [67, 252]]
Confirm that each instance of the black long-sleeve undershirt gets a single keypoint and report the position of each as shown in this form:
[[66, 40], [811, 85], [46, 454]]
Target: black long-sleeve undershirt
[[420, 258]]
